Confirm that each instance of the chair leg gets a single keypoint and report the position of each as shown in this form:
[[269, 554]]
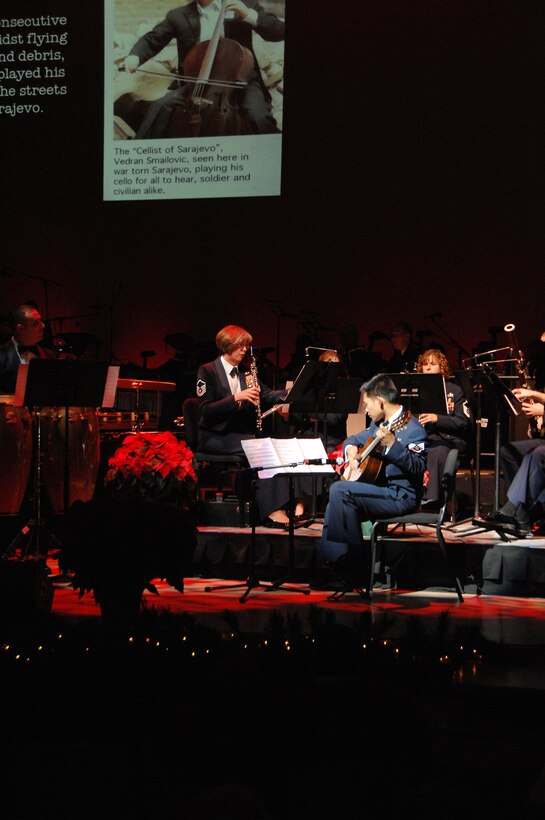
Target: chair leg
[[372, 558]]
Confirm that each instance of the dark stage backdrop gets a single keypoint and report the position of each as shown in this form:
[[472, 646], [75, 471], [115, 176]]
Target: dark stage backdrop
[[412, 183]]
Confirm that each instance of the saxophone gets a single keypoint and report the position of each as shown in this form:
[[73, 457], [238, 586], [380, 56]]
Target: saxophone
[[253, 381]]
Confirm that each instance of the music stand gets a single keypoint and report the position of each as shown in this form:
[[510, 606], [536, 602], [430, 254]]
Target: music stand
[[342, 400], [422, 392], [507, 401], [58, 383], [471, 383], [256, 450], [314, 392], [315, 383], [483, 379]]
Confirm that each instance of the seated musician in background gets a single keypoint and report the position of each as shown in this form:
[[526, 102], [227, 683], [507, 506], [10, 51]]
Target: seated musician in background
[[28, 331], [228, 416], [523, 466], [193, 24], [398, 488], [445, 432], [513, 452], [406, 351]]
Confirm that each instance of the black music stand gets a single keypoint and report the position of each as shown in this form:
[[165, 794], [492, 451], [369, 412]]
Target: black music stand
[[315, 383], [474, 383], [345, 399], [472, 387], [252, 581], [505, 402], [314, 392], [57, 383], [421, 392]]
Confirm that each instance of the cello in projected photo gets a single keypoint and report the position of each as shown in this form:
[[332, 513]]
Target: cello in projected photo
[[221, 66], [220, 88]]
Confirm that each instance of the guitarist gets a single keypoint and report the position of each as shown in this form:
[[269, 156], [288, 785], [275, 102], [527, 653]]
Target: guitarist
[[398, 487]]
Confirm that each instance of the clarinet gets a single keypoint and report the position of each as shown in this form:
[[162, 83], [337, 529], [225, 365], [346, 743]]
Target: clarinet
[[254, 382]]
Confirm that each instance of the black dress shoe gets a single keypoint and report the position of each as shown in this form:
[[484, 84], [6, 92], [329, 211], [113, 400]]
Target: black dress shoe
[[500, 517], [497, 520], [275, 525], [508, 523]]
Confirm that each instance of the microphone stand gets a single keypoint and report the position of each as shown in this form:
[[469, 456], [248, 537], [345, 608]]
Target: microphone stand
[[280, 313], [45, 282], [461, 350]]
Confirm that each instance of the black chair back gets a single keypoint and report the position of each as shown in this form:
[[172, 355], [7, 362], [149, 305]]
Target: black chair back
[[190, 412]]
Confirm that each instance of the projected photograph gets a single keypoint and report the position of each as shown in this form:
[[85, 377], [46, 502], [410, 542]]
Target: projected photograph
[[187, 70], [193, 99]]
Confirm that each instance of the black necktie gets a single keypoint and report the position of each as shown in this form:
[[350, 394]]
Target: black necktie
[[234, 373], [27, 349]]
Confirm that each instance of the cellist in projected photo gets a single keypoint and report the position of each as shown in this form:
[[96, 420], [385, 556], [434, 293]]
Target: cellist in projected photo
[[220, 90]]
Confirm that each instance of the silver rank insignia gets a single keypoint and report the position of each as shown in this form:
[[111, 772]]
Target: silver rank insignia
[[201, 387]]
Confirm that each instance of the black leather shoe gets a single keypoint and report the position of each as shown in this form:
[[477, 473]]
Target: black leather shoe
[[499, 517], [497, 520], [275, 525], [508, 523]]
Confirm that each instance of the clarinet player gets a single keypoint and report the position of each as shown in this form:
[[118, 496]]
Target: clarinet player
[[230, 406]]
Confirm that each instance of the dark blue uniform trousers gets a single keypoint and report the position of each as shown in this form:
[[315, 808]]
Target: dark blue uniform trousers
[[350, 503], [528, 485]]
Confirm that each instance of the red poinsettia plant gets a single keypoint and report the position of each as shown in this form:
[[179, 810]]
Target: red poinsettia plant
[[153, 467]]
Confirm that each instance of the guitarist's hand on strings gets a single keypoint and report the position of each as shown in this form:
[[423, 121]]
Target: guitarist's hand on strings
[[385, 436]]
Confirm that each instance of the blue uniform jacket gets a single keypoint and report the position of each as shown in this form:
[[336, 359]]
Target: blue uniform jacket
[[404, 462]]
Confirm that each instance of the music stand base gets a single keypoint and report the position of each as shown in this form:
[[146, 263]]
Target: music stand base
[[280, 586], [29, 540], [253, 582], [340, 593]]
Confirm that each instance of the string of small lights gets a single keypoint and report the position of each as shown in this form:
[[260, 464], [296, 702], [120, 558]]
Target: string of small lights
[[183, 642]]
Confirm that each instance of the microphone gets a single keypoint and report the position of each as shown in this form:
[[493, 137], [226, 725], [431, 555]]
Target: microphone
[[338, 461], [436, 315]]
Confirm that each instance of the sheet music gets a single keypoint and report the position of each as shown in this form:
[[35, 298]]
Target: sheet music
[[269, 452]]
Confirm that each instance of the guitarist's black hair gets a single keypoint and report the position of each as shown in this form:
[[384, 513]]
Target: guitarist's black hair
[[382, 386]]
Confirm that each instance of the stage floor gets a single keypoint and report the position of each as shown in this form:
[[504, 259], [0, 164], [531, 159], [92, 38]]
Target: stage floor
[[517, 620], [315, 722]]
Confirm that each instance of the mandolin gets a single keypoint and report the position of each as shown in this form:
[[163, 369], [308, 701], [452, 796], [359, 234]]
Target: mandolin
[[370, 464]]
